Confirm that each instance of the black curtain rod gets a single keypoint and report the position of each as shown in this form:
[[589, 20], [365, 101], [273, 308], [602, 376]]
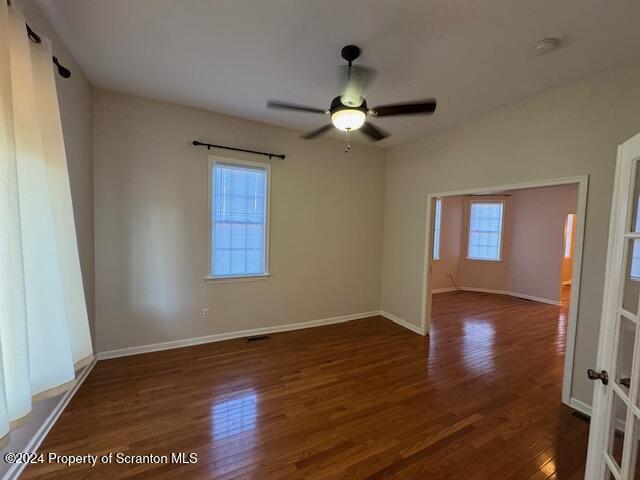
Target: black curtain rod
[[211, 145], [35, 38]]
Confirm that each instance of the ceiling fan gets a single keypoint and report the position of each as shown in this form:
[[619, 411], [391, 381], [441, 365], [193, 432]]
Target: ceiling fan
[[349, 111]]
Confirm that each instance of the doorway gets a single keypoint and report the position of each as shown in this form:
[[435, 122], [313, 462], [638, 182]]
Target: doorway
[[485, 254]]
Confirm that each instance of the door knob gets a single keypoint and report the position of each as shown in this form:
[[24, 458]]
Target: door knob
[[603, 376]]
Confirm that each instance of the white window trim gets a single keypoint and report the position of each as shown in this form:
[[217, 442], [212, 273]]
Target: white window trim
[[209, 278], [473, 259]]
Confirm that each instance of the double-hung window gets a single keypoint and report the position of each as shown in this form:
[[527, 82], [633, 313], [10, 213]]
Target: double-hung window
[[485, 231], [436, 230], [239, 220]]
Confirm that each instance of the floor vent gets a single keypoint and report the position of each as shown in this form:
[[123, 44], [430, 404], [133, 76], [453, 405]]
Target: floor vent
[[257, 338]]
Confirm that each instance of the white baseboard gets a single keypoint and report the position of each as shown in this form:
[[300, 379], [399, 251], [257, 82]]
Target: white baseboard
[[484, 290], [219, 337], [580, 406], [444, 290], [402, 323], [535, 299], [37, 438], [512, 294]]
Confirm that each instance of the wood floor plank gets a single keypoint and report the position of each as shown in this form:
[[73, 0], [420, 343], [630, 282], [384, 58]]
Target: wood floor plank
[[479, 398]]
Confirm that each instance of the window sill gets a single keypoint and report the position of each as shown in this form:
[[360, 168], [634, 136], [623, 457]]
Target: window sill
[[239, 278], [483, 259]]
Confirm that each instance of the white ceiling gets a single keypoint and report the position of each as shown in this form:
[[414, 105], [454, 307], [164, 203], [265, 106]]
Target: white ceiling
[[231, 56]]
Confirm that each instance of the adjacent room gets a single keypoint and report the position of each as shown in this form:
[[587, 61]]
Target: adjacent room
[[289, 239], [516, 242], [502, 263]]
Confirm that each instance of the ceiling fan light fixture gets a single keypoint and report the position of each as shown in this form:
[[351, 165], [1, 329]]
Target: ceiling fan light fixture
[[348, 119]]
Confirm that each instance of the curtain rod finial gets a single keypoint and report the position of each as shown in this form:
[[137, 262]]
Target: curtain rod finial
[[63, 71]]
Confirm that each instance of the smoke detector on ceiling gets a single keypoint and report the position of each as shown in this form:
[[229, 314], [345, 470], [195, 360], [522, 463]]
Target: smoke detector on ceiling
[[546, 46]]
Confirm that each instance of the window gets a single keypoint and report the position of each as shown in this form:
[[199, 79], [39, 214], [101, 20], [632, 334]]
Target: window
[[485, 231], [436, 230], [568, 235], [239, 225]]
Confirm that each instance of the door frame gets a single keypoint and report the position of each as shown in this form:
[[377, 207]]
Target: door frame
[[583, 185]]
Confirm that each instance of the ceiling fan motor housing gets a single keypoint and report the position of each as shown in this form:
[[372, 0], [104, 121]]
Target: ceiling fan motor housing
[[336, 104]]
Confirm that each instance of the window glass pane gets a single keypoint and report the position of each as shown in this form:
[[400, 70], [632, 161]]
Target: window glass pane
[[485, 231], [635, 261], [635, 202], [617, 429], [436, 230], [634, 473], [238, 220], [631, 278], [625, 346]]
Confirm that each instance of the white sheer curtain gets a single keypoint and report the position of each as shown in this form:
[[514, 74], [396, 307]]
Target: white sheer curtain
[[44, 330]]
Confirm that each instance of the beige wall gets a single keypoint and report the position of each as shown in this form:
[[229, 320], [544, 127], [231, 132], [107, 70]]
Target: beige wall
[[151, 208], [451, 218], [537, 239], [569, 131]]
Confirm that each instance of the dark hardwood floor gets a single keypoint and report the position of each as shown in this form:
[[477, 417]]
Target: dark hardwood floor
[[478, 399]]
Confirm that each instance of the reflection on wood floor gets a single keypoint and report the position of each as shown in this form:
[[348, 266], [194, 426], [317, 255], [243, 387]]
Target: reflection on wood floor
[[477, 399]]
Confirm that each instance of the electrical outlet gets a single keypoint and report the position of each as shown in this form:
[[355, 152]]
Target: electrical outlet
[[205, 313], [362, 293]]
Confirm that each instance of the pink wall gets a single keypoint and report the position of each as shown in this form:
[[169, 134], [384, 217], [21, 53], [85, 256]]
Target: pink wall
[[532, 243], [537, 242]]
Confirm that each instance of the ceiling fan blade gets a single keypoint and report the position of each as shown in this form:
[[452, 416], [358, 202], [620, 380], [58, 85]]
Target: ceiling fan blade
[[317, 132], [354, 79], [424, 107], [374, 133], [292, 106]]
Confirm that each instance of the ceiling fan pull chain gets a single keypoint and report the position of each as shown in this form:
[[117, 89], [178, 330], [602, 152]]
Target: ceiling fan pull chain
[[347, 146]]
